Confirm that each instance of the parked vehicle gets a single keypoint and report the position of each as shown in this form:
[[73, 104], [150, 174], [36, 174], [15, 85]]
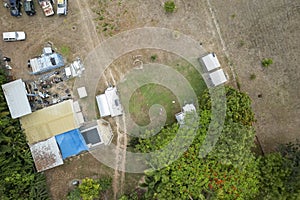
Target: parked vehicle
[[15, 8], [14, 36], [47, 7], [29, 7], [62, 7]]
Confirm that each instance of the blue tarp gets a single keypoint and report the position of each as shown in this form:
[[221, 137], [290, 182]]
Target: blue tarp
[[71, 143]]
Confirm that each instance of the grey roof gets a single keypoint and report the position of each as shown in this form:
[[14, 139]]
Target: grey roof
[[46, 62], [217, 77], [211, 62], [16, 98]]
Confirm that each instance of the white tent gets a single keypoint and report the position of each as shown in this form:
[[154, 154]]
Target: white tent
[[217, 77], [16, 97], [211, 62]]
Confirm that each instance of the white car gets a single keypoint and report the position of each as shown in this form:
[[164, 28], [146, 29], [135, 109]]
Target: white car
[[14, 36], [62, 7]]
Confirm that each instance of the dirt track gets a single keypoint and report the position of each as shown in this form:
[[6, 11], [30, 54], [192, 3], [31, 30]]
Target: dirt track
[[240, 32]]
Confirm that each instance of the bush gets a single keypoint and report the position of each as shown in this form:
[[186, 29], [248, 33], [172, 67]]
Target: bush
[[153, 57], [169, 6], [266, 62], [252, 76]]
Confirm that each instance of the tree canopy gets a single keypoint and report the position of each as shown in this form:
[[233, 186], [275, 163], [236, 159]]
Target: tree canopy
[[18, 179], [231, 170]]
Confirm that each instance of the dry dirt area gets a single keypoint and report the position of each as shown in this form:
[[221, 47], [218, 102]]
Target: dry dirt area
[[242, 33]]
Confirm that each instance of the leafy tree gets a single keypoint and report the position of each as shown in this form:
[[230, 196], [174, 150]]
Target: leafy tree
[[89, 189], [230, 171], [169, 6], [280, 173], [18, 178]]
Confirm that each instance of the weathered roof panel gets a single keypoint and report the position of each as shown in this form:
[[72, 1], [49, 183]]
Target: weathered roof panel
[[46, 154], [16, 97]]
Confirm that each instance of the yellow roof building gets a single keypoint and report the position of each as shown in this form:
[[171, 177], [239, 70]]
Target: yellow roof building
[[50, 121]]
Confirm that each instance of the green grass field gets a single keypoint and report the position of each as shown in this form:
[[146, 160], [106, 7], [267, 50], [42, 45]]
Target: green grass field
[[147, 95]]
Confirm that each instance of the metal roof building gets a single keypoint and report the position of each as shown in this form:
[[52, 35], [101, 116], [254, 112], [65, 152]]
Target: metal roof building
[[50, 121], [103, 105], [46, 61], [109, 103], [217, 77], [46, 154], [16, 97], [211, 62]]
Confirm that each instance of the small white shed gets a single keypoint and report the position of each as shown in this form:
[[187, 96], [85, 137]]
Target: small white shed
[[109, 103], [103, 105], [187, 108], [217, 77], [211, 62]]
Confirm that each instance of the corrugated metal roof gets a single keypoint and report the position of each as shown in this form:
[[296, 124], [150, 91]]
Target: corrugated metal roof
[[46, 154], [217, 77], [49, 122], [16, 97], [211, 62], [102, 105], [46, 63]]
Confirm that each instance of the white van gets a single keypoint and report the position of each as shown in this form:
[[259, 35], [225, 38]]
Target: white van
[[62, 7], [14, 36]]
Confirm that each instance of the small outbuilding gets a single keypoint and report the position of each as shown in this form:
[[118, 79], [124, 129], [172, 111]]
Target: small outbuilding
[[217, 77], [109, 103], [210, 62], [16, 97], [97, 133], [187, 108], [46, 154], [47, 61]]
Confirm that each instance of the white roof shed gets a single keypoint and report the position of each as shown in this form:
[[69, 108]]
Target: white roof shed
[[187, 108], [16, 98], [211, 62], [113, 101], [217, 77], [103, 105], [109, 103]]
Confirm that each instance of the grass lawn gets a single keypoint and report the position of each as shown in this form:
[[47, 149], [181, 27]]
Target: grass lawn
[[150, 94], [192, 75]]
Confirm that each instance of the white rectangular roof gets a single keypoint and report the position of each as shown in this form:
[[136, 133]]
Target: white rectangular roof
[[16, 98], [46, 154], [102, 105], [217, 77], [113, 101], [211, 62], [82, 92]]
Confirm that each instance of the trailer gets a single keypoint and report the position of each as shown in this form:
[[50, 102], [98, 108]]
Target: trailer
[[47, 7]]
